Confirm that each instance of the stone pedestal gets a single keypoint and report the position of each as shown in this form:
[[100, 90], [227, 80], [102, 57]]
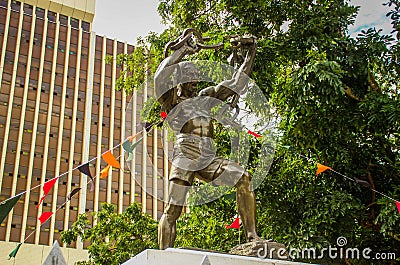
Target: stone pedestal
[[173, 256]]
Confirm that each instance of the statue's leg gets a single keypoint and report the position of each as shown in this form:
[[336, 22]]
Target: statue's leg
[[167, 224], [246, 202], [224, 172]]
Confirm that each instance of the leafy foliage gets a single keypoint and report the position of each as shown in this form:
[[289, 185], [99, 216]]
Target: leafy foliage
[[113, 237]]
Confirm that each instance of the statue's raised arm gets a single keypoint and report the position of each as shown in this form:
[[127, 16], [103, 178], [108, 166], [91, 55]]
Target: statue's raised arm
[[189, 42], [237, 85]]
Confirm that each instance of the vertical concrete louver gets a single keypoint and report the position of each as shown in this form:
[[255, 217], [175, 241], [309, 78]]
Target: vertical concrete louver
[[59, 109]]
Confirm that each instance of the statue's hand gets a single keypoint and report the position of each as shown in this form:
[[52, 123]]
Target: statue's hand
[[206, 92], [190, 46], [246, 40]]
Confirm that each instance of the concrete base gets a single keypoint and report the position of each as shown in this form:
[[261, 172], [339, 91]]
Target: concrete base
[[36, 254], [174, 256]]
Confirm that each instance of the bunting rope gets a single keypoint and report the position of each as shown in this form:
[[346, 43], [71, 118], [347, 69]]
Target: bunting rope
[[107, 156], [322, 168], [75, 168]]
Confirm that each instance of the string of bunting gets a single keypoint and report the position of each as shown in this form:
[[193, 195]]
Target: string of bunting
[[128, 145], [322, 168], [8, 204]]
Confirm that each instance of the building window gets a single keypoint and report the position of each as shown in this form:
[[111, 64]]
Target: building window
[[74, 23], [28, 9], [4, 3], [15, 5], [86, 26], [39, 12], [51, 16], [63, 20]]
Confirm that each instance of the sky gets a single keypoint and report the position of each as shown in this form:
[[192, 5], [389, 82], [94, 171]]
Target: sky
[[128, 19]]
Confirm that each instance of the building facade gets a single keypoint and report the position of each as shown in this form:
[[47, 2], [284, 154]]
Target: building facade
[[59, 109]]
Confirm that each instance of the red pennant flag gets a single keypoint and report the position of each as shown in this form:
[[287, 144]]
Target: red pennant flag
[[164, 115], [235, 224], [398, 206], [44, 217], [104, 172], [110, 159], [254, 134], [46, 188], [321, 168]]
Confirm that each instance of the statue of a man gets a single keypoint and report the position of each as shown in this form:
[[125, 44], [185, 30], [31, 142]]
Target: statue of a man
[[194, 137]]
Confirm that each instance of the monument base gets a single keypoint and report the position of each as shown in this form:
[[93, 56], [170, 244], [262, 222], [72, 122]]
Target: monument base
[[172, 256]]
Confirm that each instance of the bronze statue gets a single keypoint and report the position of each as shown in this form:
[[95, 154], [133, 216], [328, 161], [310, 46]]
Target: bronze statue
[[194, 137]]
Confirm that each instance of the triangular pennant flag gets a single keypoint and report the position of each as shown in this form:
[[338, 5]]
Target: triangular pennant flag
[[73, 192], [235, 224], [130, 138], [362, 183], [321, 168], [148, 126], [164, 115], [127, 146], [136, 143], [110, 159], [254, 134], [398, 206], [46, 188], [5, 207], [44, 217], [15, 251], [130, 157], [104, 172], [84, 169]]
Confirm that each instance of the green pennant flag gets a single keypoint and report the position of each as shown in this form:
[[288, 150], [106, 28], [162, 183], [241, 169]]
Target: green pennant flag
[[15, 251], [6, 207], [133, 146], [127, 146]]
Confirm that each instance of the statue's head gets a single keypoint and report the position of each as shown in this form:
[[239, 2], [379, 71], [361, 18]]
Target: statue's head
[[187, 77]]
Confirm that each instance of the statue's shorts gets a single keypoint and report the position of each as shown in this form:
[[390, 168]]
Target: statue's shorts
[[195, 156]]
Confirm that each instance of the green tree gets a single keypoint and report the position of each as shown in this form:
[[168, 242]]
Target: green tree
[[114, 238]]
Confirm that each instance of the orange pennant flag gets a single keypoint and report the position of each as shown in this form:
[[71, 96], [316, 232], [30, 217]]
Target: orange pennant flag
[[130, 138], [104, 172], [110, 159], [322, 168]]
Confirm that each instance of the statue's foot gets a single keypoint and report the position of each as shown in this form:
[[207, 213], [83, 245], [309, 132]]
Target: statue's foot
[[256, 238]]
